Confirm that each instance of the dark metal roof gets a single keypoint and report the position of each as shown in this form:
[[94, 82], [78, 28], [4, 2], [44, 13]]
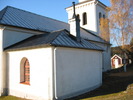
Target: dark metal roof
[[60, 38], [19, 18], [11, 16], [98, 37]]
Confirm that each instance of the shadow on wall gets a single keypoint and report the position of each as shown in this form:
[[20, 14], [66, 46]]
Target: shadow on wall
[[113, 81]]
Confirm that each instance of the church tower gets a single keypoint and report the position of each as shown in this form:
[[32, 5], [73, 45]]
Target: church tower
[[89, 13]]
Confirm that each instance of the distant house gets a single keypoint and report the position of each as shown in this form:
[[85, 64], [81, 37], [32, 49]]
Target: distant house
[[119, 53], [116, 61], [46, 59]]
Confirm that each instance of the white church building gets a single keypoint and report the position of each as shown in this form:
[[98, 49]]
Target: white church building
[[46, 59]]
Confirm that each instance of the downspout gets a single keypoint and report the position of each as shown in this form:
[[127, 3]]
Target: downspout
[[54, 75], [102, 61], [2, 63]]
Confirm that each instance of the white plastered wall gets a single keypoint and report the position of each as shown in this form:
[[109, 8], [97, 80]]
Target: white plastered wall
[[3, 88], [40, 87], [12, 36], [106, 56], [90, 9], [82, 0], [77, 71], [9, 36], [1, 64], [99, 9]]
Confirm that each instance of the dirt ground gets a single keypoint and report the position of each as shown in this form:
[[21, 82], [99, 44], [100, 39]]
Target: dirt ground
[[114, 81]]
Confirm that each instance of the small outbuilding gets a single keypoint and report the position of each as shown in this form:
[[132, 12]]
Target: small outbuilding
[[116, 61]]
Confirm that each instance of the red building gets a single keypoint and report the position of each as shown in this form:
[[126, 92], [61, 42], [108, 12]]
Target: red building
[[116, 61]]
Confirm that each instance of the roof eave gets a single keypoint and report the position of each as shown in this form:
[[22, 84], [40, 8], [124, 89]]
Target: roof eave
[[48, 45], [28, 47], [78, 47], [23, 28], [86, 2]]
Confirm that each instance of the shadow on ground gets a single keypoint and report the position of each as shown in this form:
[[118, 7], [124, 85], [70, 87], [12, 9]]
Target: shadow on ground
[[113, 81]]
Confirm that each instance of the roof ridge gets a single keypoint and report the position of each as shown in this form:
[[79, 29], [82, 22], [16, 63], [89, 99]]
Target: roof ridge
[[58, 33], [2, 12], [59, 30], [93, 34], [36, 14], [89, 32]]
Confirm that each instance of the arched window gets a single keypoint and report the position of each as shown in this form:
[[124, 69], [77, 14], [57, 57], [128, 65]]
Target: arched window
[[25, 71], [78, 16], [84, 18], [100, 15], [103, 16]]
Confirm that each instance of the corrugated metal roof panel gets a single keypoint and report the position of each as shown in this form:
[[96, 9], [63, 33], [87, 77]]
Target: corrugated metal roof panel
[[59, 38], [19, 18], [65, 40]]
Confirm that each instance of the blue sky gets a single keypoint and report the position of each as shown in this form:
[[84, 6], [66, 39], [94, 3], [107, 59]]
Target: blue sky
[[50, 8]]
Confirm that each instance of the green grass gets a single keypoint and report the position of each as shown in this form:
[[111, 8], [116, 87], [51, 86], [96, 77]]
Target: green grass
[[124, 95], [117, 85], [10, 98]]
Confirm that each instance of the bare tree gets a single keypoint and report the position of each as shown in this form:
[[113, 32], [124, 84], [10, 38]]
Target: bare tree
[[104, 29], [119, 23]]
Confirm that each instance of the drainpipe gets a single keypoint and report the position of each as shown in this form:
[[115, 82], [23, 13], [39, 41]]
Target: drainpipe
[[102, 61], [2, 63], [54, 75]]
